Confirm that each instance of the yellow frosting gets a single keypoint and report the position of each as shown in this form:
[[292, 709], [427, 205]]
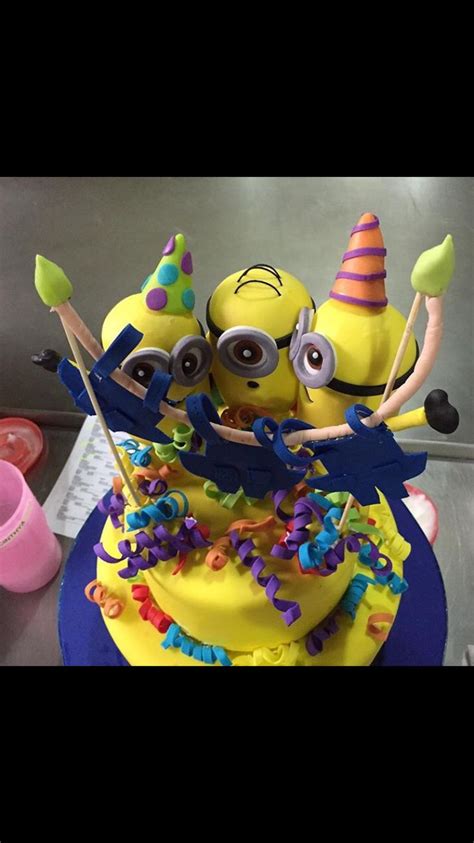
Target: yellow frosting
[[229, 609]]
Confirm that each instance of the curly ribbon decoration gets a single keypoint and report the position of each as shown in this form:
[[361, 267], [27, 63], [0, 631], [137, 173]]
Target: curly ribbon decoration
[[285, 655], [297, 528], [150, 473], [189, 647], [354, 594], [138, 455], [97, 593], [148, 611], [183, 440], [189, 537], [117, 484], [161, 547], [165, 508], [314, 553], [226, 499], [242, 418], [315, 638], [218, 556], [150, 488], [136, 562], [375, 631], [291, 610], [115, 508]]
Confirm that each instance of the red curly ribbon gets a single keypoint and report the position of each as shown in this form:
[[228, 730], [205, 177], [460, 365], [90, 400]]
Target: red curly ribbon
[[148, 611]]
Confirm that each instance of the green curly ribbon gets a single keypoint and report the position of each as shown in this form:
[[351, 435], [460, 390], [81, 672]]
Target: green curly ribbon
[[182, 436], [226, 499]]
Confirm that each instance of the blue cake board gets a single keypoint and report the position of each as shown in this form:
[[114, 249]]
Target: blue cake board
[[418, 636]]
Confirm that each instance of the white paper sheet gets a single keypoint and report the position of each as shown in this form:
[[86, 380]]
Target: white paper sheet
[[85, 478]]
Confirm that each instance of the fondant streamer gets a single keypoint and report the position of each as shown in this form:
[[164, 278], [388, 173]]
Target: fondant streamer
[[373, 625], [245, 548], [115, 508], [189, 647]]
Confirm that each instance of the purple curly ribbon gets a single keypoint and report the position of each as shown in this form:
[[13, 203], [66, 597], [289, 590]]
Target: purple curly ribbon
[[315, 638], [304, 511], [244, 547], [187, 538], [136, 562], [161, 547], [153, 487], [114, 509]]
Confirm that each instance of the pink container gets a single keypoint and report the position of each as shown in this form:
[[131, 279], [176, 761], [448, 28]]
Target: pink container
[[30, 554]]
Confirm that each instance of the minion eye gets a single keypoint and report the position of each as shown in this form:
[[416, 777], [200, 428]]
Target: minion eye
[[248, 352], [315, 361], [314, 358], [190, 360], [142, 364]]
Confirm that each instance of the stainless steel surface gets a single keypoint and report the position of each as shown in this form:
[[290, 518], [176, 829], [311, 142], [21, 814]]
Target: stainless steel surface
[[28, 622], [108, 234]]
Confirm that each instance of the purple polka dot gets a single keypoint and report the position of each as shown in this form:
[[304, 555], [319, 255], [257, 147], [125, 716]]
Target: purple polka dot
[[169, 248], [187, 263], [156, 299]]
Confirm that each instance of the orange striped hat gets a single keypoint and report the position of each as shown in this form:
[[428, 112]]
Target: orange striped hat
[[361, 277]]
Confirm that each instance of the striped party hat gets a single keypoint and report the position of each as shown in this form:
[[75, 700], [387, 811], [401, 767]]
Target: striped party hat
[[361, 277], [169, 288]]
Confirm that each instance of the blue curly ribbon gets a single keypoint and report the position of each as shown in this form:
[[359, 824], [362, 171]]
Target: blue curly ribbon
[[165, 508], [138, 455], [354, 594], [312, 554], [201, 652]]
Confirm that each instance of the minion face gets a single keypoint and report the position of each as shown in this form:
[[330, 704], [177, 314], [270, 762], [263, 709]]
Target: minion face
[[173, 339], [251, 317], [171, 343], [342, 355]]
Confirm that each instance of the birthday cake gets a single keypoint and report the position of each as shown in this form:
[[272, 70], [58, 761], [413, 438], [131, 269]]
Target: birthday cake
[[249, 523]]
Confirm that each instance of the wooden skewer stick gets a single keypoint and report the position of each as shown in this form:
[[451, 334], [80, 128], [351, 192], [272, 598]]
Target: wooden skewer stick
[[412, 316], [93, 399]]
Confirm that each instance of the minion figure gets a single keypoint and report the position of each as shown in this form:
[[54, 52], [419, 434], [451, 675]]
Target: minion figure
[[342, 353], [173, 339], [251, 317]]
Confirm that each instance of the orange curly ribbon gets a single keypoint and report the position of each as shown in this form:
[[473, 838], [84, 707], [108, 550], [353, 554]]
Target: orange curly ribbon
[[217, 557], [242, 417], [378, 618], [246, 525], [97, 593]]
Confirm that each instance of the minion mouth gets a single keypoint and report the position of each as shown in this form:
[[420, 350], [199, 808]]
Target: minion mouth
[[308, 396]]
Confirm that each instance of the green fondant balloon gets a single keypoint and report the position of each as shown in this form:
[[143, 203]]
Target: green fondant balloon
[[434, 269], [51, 282]]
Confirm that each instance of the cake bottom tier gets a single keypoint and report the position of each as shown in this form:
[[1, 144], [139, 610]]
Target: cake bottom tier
[[227, 609]]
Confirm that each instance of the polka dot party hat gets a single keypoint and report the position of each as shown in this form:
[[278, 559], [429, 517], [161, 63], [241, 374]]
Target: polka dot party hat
[[169, 287]]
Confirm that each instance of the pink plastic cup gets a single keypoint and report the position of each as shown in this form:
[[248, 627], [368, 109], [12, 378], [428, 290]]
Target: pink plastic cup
[[30, 554]]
